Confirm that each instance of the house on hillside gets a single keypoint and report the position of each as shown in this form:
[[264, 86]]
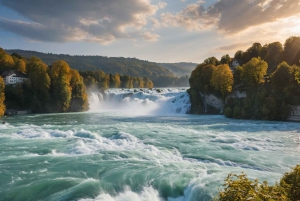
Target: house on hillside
[[13, 77]]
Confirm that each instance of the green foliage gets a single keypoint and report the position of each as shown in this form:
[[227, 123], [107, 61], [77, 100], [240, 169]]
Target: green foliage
[[6, 63], [113, 65], [225, 59], [261, 103], [222, 79], [40, 83], [2, 97], [98, 80], [61, 76], [211, 60], [79, 100], [273, 56], [196, 102], [291, 183], [127, 82], [228, 112], [283, 77], [238, 71], [297, 74], [238, 56], [291, 53], [201, 76], [21, 65], [254, 50], [254, 71], [114, 81], [240, 188]]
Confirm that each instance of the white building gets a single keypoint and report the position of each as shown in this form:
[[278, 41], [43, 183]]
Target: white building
[[13, 77]]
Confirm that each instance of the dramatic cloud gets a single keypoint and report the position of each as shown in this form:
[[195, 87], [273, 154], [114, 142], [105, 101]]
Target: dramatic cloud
[[232, 16], [73, 20]]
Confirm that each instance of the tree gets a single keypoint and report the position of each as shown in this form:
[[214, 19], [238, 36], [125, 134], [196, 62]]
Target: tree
[[222, 79], [211, 60], [40, 82], [61, 90], [2, 97], [254, 50], [264, 51], [201, 76], [225, 59], [240, 188], [238, 55], [79, 101], [147, 82], [291, 183], [21, 66], [6, 63], [297, 75], [283, 77], [273, 56], [114, 81], [291, 53], [254, 71], [126, 82]]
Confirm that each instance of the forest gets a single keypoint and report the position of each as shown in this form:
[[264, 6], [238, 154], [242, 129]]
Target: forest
[[269, 75], [55, 88]]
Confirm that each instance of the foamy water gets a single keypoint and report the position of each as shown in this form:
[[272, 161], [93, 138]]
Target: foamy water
[[111, 153], [142, 101]]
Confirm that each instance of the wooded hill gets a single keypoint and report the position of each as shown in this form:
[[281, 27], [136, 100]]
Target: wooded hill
[[179, 69], [110, 65]]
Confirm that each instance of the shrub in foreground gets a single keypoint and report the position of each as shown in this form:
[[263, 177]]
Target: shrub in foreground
[[240, 188]]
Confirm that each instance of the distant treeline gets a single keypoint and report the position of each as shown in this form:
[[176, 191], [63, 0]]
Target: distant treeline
[[100, 80], [110, 65], [269, 75]]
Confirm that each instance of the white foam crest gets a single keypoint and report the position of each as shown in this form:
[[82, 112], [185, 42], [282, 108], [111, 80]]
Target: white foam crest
[[87, 142], [124, 142], [5, 125], [147, 194], [142, 102]]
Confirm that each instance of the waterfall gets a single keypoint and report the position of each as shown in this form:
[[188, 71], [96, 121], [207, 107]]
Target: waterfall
[[141, 101]]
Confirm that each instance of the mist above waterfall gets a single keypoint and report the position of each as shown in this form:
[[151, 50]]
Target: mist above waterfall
[[166, 101]]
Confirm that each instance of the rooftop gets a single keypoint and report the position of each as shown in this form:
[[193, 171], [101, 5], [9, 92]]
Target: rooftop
[[10, 72]]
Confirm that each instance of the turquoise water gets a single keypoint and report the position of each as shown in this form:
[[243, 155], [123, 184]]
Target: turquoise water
[[112, 155]]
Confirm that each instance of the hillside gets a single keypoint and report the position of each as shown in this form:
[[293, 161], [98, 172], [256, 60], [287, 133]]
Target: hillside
[[179, 69], [113, 65]]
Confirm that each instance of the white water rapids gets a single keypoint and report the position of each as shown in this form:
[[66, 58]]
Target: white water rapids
[[141, 101]]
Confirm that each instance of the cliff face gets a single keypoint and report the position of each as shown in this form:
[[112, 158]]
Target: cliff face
[[212, 104], [203, 103]]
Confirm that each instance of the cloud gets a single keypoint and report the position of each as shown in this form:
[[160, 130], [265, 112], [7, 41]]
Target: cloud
[[102, 21], [235, 46], [232, 16], [155, 22], [150, 36]]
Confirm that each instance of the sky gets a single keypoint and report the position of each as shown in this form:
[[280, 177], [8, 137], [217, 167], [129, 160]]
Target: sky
[[153, 30]]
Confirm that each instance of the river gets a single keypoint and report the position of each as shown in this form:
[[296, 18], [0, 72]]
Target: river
[[138, 146]]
